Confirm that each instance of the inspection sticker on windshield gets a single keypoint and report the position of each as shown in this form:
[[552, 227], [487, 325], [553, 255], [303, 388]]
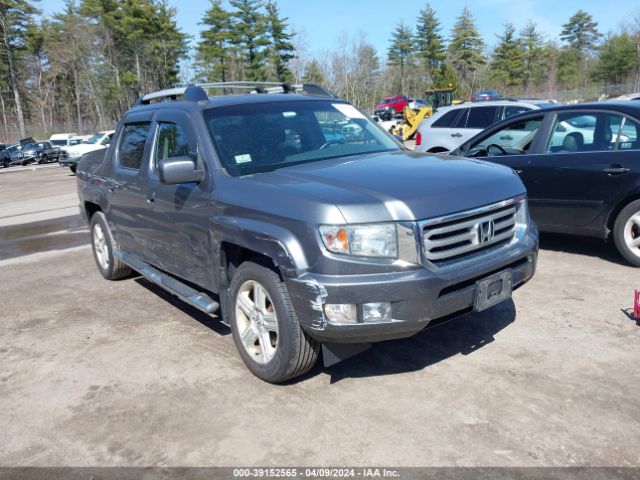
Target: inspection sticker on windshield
[[347, 110], [244, 158]]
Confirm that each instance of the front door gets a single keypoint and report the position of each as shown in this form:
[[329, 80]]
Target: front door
[[179, 214], [582, 169]]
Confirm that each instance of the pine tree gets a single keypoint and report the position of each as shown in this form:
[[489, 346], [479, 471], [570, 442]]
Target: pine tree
[[581, 35], [507, 64], [280, 47], [15, 16], [212, 50], [313, 73], [616, 59], [250, 36], [429, 42], [166, 47], [581, 32], [465, 48], [401, 48], [533, 55]]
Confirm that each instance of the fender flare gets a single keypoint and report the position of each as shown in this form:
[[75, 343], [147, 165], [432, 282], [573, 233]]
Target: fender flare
[[273, 241]]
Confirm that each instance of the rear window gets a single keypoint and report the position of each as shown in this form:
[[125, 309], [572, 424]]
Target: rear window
[[481, 117], [447, 120], [514, 110]]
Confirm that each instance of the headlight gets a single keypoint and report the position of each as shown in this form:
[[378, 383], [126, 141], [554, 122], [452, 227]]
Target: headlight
[[522, 215], [75, 155], [380, 240]]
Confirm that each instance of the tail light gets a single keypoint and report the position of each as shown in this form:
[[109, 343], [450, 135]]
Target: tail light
[[418, 138]]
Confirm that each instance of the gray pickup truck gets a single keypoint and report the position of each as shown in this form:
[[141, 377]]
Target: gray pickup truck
[[308, 226]]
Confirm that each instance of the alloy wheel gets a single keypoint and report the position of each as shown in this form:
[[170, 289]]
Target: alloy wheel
[[100, 246], [257, 321], [632, 234]]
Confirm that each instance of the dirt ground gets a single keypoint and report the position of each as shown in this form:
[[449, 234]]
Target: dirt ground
[[99, 373]]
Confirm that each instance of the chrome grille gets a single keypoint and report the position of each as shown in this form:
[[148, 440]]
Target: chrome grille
[[470, 233]]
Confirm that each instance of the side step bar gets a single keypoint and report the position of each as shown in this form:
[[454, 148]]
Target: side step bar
[[193, 297]]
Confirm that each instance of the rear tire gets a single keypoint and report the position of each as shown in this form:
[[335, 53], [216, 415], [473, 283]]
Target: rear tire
[[103, 246], [626, 233], [265, 328]]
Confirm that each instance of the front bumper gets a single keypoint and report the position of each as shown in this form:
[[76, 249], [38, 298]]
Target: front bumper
[[417, 296]]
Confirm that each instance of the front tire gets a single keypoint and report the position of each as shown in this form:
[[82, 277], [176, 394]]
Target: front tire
[[73, 168], [626, 233], [103, 246], [265, 328]]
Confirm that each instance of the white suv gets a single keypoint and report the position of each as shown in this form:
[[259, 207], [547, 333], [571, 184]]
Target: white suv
[[450, 127]]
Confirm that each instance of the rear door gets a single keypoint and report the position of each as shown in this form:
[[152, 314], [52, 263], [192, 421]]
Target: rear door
[[476, 120], [442, 132], [178, 215], [127, 207], [584, 166]]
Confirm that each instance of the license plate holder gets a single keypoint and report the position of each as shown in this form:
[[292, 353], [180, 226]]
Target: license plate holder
[[492, 290]]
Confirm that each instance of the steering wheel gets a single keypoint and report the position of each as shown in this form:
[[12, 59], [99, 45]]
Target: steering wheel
[[502, 150], [335, 141]]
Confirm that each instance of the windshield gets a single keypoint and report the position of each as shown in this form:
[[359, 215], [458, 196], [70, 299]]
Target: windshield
[[58, 142], [262, 137], [95, 138], [32, 146]]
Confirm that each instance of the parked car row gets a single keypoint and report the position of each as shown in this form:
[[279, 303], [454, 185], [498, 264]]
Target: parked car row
[[27, 151], [65, 148]]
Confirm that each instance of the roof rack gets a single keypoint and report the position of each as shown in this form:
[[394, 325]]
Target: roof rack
[[198, 92]]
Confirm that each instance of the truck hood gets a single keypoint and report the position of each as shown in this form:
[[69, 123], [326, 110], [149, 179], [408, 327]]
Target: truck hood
[[397, 186], [83, 148]]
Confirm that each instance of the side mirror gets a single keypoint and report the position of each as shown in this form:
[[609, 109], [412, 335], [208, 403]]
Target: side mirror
[[176, 170]]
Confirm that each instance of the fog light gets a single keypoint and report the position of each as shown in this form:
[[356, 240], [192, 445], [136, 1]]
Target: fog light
[[376, 312], [341, 312]]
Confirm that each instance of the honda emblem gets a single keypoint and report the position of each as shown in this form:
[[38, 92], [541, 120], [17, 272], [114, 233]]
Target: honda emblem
[[486, 231]]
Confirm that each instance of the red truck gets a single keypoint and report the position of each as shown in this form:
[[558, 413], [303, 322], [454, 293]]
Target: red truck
[[389, 106]]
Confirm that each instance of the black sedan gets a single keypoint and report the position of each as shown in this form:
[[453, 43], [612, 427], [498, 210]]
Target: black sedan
[[580, 164]]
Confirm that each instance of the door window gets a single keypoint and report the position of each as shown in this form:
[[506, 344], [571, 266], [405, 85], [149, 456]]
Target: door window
[[512, 110], [585, 132], [629, 135], [513, 139], [481, 117], [174, 140], [446, 120], [131, 147]]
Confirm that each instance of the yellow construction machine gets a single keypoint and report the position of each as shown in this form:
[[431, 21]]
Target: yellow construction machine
[[434, 98]]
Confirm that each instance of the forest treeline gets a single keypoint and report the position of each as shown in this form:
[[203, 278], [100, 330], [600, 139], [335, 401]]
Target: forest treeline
[[80, 68]]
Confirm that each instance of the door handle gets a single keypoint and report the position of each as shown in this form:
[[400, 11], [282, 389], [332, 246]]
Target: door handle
[[616, 170], [456, 134]]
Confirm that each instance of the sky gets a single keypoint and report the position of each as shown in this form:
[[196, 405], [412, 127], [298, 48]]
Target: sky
[[321, 22]]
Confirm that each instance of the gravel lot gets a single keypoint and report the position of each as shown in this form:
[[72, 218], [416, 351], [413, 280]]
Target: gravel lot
[[98, 373]]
